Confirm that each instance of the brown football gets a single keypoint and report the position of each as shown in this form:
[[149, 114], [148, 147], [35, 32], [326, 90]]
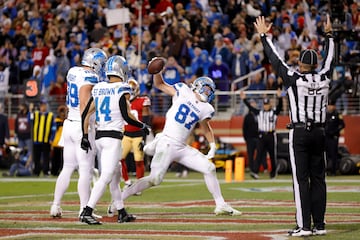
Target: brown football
[[156, 65]]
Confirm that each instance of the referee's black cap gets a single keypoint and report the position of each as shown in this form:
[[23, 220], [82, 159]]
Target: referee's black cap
[[266, 101], [308, 56]]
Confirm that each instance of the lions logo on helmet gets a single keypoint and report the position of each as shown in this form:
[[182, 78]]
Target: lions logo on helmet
[[94, 58], [205, 87], [134, 87], [117, 66]]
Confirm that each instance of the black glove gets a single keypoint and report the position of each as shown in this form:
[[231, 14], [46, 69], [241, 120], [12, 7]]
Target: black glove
[[85, 144], [146, 129], [141, 145]]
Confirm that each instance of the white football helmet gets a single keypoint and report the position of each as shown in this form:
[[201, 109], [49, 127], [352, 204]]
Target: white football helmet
[[205, 87], [134, 87], [94, 58], [117, 66]]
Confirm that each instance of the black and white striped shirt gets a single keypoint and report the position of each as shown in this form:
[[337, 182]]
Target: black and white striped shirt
[[266, 119], [307, 92]]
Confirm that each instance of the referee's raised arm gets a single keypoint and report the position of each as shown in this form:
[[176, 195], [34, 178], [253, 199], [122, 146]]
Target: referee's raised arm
[[277, 63]]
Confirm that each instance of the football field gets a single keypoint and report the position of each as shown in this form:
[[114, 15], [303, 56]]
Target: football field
[[180, 208]]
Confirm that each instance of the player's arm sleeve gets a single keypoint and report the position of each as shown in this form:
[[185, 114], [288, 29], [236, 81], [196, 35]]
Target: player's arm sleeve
[[277, 63], [84, 114], [124, 113]]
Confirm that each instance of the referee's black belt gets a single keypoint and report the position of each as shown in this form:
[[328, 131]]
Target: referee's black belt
[[108, 133], [266, 132], [303, 125]]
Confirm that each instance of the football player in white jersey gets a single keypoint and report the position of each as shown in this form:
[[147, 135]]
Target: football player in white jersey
[[80, 81], [110, 101], [189, 106]]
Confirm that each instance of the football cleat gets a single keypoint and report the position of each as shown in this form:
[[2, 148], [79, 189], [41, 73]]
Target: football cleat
[[87, 217], [317, 231], [226, 210], [93, 214], [300, 232], [55, 211], [125, 217]]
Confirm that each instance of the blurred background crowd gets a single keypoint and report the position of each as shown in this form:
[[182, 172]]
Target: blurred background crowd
[[41, 39]]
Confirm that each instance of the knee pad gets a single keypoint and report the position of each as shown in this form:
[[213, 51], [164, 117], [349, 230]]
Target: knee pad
[[156, 179], [106, 177], [211, 168]]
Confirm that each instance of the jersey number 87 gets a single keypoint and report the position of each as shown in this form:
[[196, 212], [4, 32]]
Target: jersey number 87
[[183, 112]]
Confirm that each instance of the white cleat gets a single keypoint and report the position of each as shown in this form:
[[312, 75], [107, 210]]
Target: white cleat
[[226, 210], [55, 211]]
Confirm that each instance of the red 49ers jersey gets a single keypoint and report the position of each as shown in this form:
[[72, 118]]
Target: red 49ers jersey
[[137, 106]]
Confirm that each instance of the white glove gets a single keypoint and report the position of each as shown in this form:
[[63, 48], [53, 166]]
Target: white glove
[[212, 150]]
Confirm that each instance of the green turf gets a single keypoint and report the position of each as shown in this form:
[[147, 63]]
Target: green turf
[[265, 199]]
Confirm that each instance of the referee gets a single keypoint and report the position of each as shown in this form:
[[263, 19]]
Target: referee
[[308, 97], [266, 118]]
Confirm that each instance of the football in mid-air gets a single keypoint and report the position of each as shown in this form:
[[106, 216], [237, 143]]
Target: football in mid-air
[[156, 65]]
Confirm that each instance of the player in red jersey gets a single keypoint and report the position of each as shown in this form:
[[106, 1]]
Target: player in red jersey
[[134, 136]]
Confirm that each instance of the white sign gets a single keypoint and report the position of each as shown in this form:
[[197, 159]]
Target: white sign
[[117, 16]]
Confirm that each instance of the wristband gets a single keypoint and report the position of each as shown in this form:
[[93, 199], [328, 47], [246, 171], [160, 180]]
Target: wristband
[[262, 35]]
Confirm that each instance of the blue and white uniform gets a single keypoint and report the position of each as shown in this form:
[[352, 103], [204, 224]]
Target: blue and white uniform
[[74, 156], [110, 127]]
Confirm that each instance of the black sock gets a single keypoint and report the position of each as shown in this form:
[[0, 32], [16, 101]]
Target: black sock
[[122, 212], [88, 210]]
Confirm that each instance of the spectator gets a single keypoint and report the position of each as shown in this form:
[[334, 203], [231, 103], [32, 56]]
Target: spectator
[[61, 60], [219, 72], [19, 38], [25, 65], [21, 166], [97, 33], [40, 52], [220, 48], [4, 136], [23, 129], [163, 5], [49, 77], [57, 90], [173, 71], [8, 51], [4, 81], [144, 78], [240, 62]]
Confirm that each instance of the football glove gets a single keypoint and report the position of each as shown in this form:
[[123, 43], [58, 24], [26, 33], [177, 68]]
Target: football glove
[[85, 143], [146, 129], [212, 151]]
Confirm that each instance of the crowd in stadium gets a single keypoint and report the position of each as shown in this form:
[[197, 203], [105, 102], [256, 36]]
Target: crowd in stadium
[[43, 39]]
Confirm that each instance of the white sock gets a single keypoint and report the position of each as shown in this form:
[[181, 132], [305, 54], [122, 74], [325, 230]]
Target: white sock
[[62, 184], [213, 186]]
